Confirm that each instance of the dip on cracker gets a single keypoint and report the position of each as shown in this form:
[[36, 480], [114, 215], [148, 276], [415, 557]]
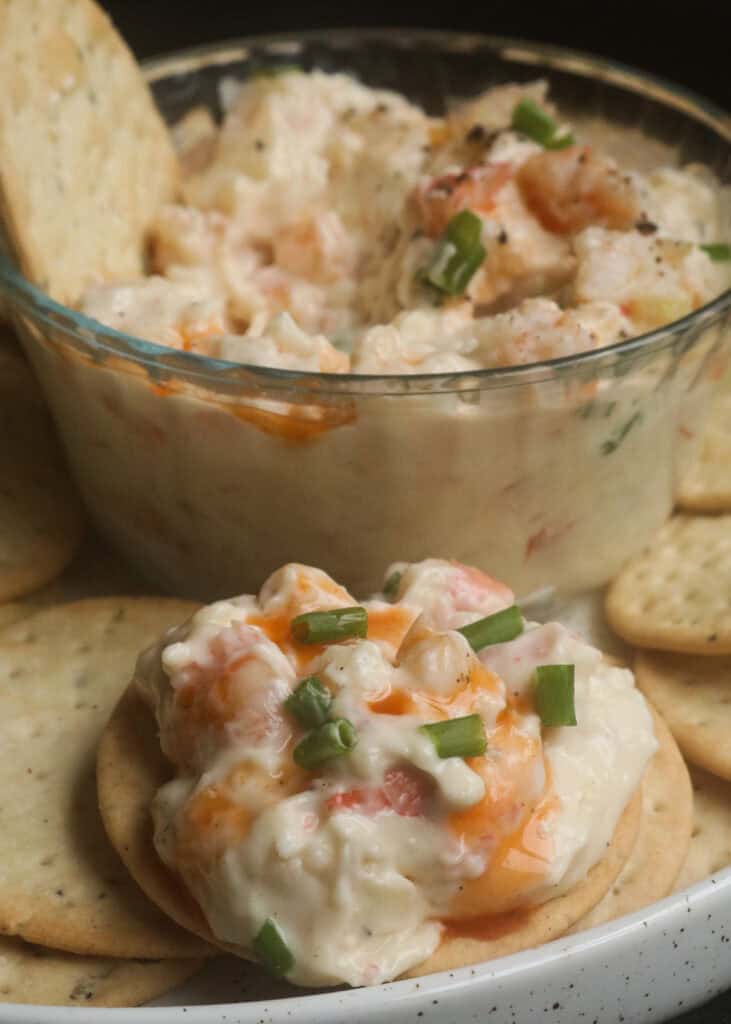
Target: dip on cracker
[[356, 783]]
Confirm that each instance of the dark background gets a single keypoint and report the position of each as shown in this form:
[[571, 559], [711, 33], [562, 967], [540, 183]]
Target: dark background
[[688, 43]]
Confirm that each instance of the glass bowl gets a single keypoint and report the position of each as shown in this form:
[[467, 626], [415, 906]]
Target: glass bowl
[[208, 475]]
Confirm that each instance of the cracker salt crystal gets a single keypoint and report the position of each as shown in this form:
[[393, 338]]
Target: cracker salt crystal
[[61, 883], [675, 595], [85, 158], [693, 694], [32, 974]]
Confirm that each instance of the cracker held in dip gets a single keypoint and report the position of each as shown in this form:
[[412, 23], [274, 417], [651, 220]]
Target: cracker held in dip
[[329, 226], [354, 778]]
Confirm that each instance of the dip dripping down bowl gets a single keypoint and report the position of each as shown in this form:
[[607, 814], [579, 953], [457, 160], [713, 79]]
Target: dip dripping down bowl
[[208, 474]]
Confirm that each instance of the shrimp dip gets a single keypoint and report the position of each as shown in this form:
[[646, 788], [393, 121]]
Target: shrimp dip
[[328, 226], [351, 778], [386, 287]]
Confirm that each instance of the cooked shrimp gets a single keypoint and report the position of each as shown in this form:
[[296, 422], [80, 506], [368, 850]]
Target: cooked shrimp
[[652, 280], [317, 248], [539, 329], [439, 199], [449, 593], [230, 695], [281, 342], [570, 189], [179, 313]]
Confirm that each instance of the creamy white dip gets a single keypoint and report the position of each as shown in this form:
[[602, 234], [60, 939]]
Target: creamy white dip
[[360, 859], [312, 219]]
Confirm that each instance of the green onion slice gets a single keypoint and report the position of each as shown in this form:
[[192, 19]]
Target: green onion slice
[[390, 587], [457, 737], [457, 255], [310, 702], [333, 739], [529, 119], [495, 629], [330, 626], [272, 950], [718, 251], [561, 141], [554, 694]]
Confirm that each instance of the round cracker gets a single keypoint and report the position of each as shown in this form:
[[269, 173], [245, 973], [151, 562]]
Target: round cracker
[[32, 974], [710, 843], [662, 841], [77, 200], [61, 883], [40, 515], [505, 934], [676, 594], [694, 697], [131, 768], [94, 572], [706, 487]]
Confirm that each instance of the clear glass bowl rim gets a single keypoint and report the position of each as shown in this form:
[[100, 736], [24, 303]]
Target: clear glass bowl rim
[[163, 362]]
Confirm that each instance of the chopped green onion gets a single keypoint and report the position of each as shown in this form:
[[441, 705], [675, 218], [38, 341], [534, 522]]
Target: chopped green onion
[[390, 587], [529, 119], [554, 694], [272, 950], [612, 443], [458, 254], [719, 251], [333, 739], [310, 702], [561, 141], [330, 626], [457, 737], [494, 629]]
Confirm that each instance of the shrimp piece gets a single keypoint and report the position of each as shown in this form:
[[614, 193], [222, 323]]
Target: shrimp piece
[[231, 693], [178, 313], [405, 791], [282, 343], [218, 814], [194, 137], [472, 590], [569, 189], [318, 248], [451, 594], [185, 236], [417, 341], [539, 329], [439, 199], [295, 589], [652, 280]]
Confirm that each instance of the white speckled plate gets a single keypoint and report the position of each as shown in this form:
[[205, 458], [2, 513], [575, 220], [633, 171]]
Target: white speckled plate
[[644, 967], [648, 966]]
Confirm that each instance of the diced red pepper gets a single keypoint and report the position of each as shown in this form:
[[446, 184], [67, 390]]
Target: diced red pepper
[[404, 791]]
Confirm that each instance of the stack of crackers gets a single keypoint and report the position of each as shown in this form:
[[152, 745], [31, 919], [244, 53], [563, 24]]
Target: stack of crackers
[[74, 928], [673, 603]]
